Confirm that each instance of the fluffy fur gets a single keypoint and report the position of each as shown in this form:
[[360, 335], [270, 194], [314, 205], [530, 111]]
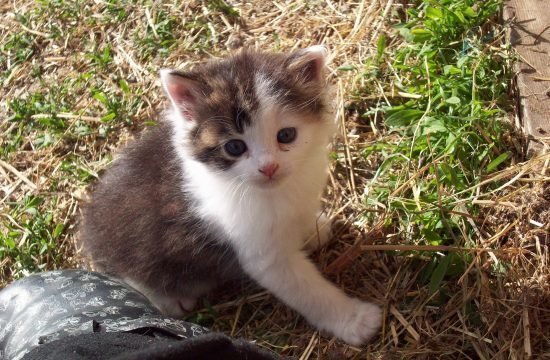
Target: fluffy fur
[[177, 214]]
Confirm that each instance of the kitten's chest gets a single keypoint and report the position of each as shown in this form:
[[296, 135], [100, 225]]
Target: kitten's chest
[[248, 213], [266, 217]]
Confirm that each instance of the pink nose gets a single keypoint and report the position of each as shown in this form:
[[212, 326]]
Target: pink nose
[[269, 169]]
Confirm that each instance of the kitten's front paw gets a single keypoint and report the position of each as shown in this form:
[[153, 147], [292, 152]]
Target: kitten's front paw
[[364, 321], [174, 307]]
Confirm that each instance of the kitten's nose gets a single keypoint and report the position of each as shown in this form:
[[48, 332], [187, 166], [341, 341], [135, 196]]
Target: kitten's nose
[[269, 169]]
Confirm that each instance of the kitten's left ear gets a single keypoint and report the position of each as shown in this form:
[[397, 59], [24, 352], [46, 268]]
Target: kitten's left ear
[[309, 63]]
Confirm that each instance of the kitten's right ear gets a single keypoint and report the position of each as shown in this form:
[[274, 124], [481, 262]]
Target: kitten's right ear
[[184, 93], [309, 63]]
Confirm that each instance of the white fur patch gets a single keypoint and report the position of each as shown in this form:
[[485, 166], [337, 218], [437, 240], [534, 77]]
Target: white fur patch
[[265, 90]]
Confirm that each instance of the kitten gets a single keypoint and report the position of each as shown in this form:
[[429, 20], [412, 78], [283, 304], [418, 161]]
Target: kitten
[[230, 185]]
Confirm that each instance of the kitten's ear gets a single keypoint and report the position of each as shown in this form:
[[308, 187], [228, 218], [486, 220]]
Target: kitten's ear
[[309, 63], [184, 92]]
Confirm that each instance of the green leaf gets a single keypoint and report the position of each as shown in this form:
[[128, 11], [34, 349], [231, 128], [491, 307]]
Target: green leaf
[[457, 264], [221, 5], [453, 100], [450, 142], [82, 130], [462, 61], [434, 126], [43, 249], [421, 35], [484, 153], [380, 47], [403, 117], [106, 54], [31, 211], [58, 230], [346, 68], [450, 174], [470, 12], [432, 237], [9, 243], [428, 270], [499, 160], [108, 117], [124, 86], [101, 98], [405, 33], [386, 163], [433, 13], [460, 16], [451, 70], [438, 274]]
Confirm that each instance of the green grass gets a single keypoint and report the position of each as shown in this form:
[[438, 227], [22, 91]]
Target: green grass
[[159, 37], [30, 238], [445, 128]]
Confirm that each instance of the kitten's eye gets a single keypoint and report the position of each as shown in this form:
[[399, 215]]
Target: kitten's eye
[[235, 147], [286, 135]]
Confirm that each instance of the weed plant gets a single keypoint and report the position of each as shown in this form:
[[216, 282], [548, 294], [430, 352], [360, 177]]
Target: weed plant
[[445, 129]]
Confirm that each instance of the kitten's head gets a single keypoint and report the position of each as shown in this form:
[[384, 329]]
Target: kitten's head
[[258, 118]]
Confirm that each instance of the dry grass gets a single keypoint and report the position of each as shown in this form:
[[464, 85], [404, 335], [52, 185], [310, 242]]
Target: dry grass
[[68, 39]]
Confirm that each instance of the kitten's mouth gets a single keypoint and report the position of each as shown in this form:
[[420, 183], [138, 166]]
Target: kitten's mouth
[[269, 183]]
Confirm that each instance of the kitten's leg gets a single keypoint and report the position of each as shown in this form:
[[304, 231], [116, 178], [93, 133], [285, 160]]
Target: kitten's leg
[[296, 281], [321, 234]]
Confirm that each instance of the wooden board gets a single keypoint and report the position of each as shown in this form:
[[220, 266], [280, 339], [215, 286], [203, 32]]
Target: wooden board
[[530, 36]]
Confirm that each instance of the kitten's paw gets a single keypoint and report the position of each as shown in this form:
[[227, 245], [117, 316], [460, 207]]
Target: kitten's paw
[[322, 234], [364, 321], [188, 304], [169, 306], [173, 307]]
